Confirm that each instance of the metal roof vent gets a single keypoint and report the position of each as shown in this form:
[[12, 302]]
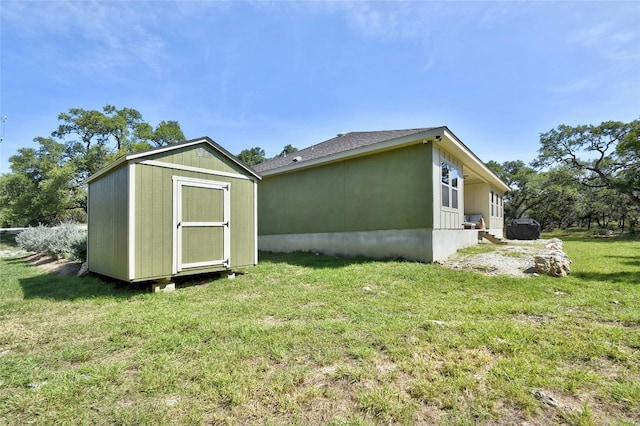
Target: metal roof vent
[[296, 159], [340, 134]]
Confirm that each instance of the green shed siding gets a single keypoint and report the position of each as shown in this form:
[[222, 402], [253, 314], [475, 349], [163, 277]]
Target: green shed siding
[[388, 190], [243, 223], [202, 157], [153, 239], [108, 225], [154, 216]]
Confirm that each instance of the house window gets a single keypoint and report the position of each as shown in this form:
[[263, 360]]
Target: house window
[[493, 205], [496, 205], [450, 182]]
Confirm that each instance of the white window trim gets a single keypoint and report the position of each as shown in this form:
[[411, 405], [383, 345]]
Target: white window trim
[[452, 165]]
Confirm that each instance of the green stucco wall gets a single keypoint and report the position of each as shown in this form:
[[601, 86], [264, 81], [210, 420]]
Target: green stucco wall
[[108, 226], [387, 190]]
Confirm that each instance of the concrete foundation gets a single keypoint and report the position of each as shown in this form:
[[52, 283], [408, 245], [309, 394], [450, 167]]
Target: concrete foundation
[[423, 245]]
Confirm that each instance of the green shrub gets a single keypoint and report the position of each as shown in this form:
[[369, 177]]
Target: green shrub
[[67, 240]]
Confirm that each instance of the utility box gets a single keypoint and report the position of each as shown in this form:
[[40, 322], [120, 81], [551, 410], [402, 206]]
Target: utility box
[[177, 210]]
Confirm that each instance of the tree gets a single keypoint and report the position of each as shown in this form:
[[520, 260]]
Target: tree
[[252, 156], [123, 127], [46, 185], [289, 149], [524, 182], [603, 156], [556, 201], [41, 188], [167, 133]]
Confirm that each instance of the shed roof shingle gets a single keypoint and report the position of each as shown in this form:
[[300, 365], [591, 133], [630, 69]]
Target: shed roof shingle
[[343, 143]]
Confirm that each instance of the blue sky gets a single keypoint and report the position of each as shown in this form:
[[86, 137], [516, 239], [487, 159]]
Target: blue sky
[[269, 74]]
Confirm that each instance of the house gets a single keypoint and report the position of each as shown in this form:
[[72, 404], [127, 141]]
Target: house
[[383, 194], [176, 210]]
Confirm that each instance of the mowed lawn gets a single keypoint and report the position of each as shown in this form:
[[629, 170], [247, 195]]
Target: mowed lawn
[[308, 339]]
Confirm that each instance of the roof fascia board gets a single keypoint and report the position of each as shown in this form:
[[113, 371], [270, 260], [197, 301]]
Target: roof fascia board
[[106, 169], [477, 165], [415, 138]]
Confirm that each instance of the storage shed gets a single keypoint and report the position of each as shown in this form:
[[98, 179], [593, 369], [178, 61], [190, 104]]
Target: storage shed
[[176, 210]]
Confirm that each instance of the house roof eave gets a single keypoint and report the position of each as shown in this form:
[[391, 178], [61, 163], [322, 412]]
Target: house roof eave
[[412, 139], [471, 160], [441, 135]]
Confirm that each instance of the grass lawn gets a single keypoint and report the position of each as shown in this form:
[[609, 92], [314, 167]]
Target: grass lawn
[[306, 339], [7, 241]]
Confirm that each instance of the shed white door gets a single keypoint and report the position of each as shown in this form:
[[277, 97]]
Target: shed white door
[[201, 229]]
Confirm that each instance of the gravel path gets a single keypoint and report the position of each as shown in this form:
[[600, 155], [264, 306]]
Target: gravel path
[[515, 259]]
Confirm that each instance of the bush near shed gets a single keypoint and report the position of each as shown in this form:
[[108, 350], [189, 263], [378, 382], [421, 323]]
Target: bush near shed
[[68, 240]]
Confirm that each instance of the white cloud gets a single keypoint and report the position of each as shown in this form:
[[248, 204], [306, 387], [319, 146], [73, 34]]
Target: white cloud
[[610, 39], [103, 36]]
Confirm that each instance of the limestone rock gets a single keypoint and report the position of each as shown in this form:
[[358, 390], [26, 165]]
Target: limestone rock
[[84, 270], [555, 263], [555, 244]]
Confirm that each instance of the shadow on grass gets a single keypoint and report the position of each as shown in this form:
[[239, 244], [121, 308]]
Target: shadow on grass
[[605, 239], [51, 285], [628, 260], [631, 277], [317, 261], [614, 277]]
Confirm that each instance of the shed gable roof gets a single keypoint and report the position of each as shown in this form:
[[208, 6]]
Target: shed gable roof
[[139, 156]]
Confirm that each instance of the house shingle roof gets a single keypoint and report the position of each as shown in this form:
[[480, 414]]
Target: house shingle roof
[[341, 143]]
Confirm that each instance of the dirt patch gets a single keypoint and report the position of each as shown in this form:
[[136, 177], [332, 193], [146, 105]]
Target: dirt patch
[[13, 252], [50, 265], [514, 258]]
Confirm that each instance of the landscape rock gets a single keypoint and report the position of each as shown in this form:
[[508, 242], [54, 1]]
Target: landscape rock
[[555, 264], [547, 399], [84, 270], [555, 244]]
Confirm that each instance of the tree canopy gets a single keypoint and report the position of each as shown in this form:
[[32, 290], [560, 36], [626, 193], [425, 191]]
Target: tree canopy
[[583, 175], [289, 149], [46, 183], [603, 156], [252, 156], [257, 155]]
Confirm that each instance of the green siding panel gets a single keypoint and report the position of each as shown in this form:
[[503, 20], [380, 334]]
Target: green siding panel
[[202, 244], [107, 232], [243, 220], [202, 156], [154, 220], [202, 204], [383, 191]]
